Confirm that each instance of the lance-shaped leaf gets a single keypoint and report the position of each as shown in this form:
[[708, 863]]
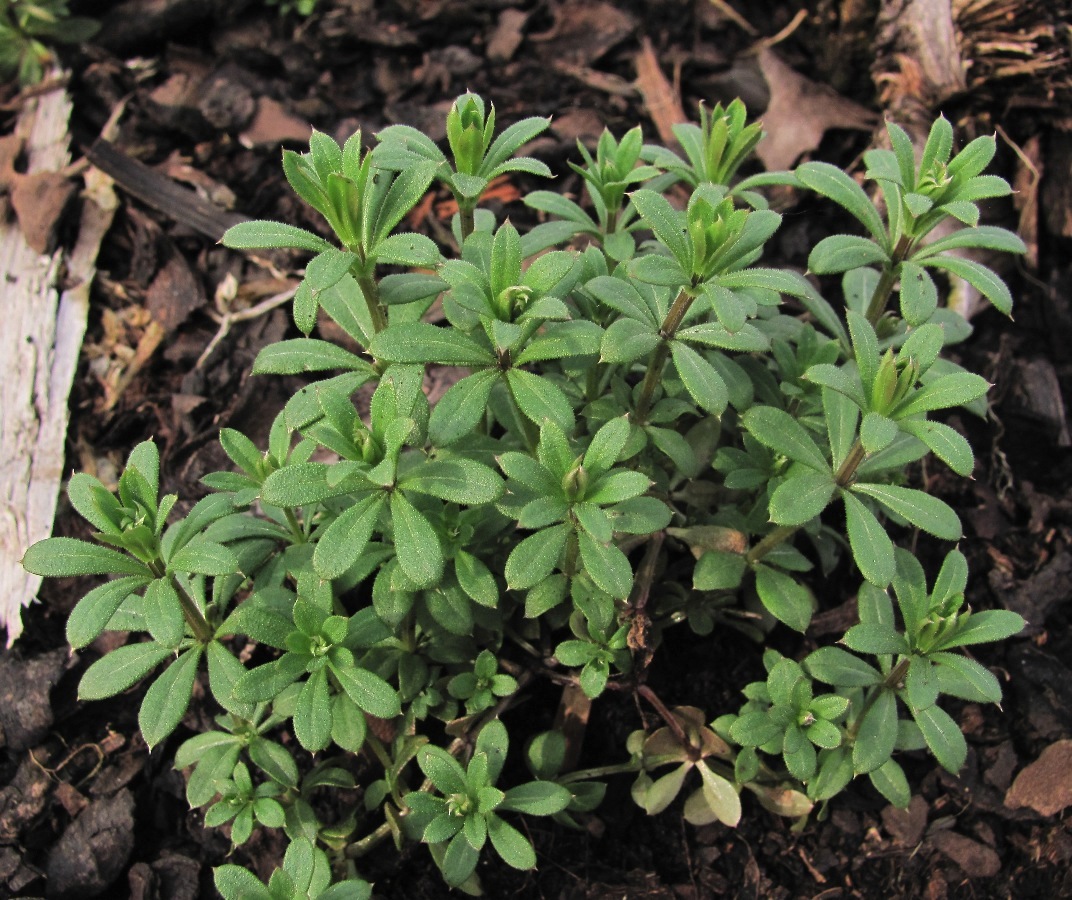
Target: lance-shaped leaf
[[871, 545], [835, 184], [265, 235], [60, 557], [776, 429], [801, 497], [700, 378], [166, 701], [344, 540], [456, 479], [417, 546], [420, 342], [368, 691], [921, 509]]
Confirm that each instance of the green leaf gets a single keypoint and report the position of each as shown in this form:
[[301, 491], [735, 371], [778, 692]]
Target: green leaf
[[61, 557], [121, 668], [799, 753], [264, 235], [537, 798], [224, 670], [606, 446], [840, 668], [606, 565], [658, 270], [236, 883], [348, 726], [163, 613], [865, 348], [921, 509], [93, 612], [442, 770], [618, 485], [266, 682], [984, 237], [871, 545], [718, 571], [965, 678], [420, 342], [835, 184], [801, 497], [877, 734], [842, 252], [869, 637], [540, 399], [341, 544], [984, 280], [297, 485], [785, 599], [562, 340], [456, 480], [417, 546], [943, 737], [459, 861], [776, 429], [368, 691], [510, 844], [955, 389], [919, 295], [204, 557], [534, 559], [95, 503], [985, 627], [666, 222], [312, 715], [408, 249], [889, 780], [409, 287], [700, 378], [950, 446], [877, 432], [327, 268], [626, 340], [301, 355], [461, 408], [620, 295], [166, 701]]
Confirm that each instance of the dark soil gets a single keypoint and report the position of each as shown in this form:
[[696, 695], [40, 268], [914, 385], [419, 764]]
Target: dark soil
[[213, 89]]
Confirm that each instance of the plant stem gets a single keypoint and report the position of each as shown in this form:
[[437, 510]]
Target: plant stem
[[295, 526], [889, 683], [658, 356], [668, 717], [852, 462], [466, 219], [371, 290], [877, 306], [779, 536], [599, 772], [369, 842]]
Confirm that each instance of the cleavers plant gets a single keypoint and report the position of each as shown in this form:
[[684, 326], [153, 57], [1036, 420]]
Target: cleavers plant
[[641, 434]]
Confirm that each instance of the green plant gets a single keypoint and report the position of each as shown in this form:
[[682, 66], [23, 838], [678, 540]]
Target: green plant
[[28, 27], [303, 8], [640, 438]]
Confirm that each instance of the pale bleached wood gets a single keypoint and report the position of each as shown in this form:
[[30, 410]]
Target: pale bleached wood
[[40, 340]]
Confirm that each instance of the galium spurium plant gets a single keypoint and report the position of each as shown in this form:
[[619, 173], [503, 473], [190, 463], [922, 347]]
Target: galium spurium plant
[[649, 429]]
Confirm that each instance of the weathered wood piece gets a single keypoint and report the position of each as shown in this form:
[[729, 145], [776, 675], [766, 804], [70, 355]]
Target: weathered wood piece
[[39, 344], [162, 193]]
